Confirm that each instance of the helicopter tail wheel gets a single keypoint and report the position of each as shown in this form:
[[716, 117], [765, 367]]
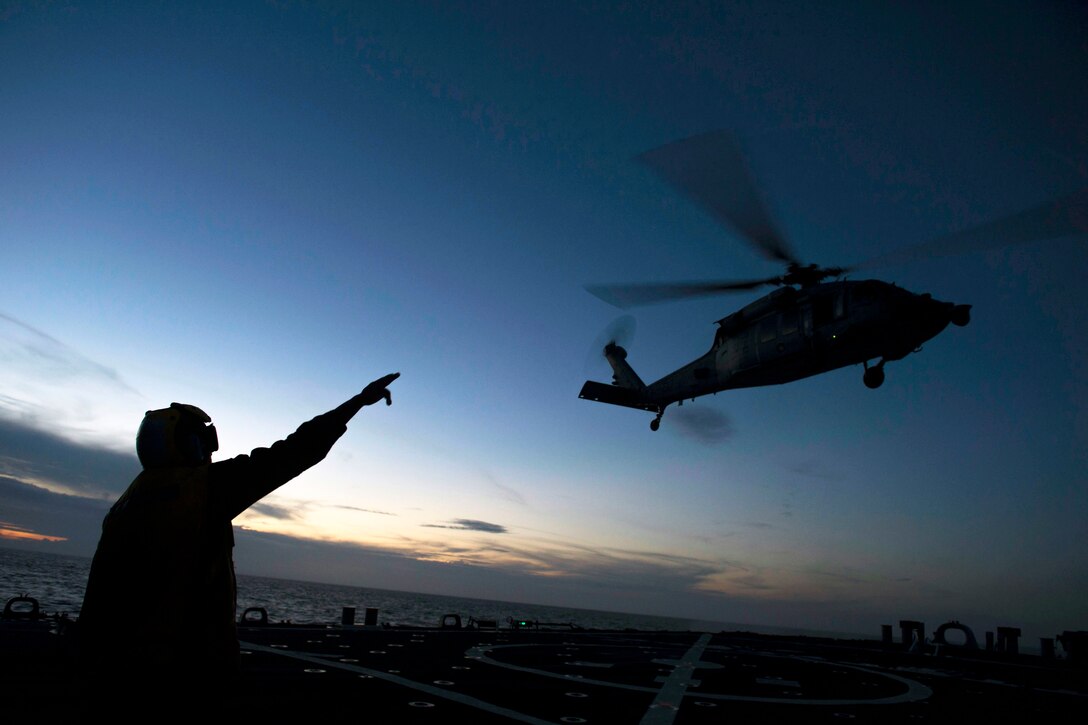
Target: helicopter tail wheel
[[874, 376]]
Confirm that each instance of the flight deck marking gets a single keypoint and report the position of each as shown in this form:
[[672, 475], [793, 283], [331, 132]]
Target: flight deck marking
[[661, 711], [915, 690], [665, 706], [379, 674]]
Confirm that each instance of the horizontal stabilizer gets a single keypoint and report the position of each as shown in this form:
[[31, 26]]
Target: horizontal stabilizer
[[616, 395]]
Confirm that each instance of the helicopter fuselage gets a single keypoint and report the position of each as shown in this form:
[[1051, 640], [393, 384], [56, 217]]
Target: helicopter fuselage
[[807, 326], [789, 334]]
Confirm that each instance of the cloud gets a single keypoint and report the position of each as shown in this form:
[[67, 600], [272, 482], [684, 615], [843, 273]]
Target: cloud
[[15, 533], [50, 386], [54, 494], [274, 511], [752, 582], [840, 576], [46, 460], [507, 492], [71, 523], [26, 346], [298, 510], [365, 511], [536, 572], [569, 564], [815, 469], [540, 572], [470, 525]]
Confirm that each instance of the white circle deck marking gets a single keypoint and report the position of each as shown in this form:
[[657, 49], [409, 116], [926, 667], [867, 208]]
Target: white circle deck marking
[[661, 712], [915, 690]]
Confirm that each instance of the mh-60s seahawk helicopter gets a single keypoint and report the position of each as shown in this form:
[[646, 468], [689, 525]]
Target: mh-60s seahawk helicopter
[[808, 326]]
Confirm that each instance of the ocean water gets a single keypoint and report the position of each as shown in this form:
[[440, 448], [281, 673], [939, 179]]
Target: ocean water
[[58, 582]]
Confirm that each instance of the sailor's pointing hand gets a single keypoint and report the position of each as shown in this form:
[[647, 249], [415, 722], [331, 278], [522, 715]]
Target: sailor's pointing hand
[[377, 390]]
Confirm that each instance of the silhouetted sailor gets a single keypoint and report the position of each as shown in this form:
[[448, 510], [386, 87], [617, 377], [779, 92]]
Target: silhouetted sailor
[[160, 597]]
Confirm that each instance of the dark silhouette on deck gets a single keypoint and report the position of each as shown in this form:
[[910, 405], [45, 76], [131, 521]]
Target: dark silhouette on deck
[[161, 591]]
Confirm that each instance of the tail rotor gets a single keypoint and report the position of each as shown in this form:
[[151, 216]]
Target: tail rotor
[[618, 335]]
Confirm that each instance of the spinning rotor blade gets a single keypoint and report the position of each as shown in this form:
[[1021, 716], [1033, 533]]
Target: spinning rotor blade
[[620, 332], [1062, 217], [710, 169], [634, 295]]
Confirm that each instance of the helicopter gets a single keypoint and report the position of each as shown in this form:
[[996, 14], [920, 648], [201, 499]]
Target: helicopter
[[816, 320]]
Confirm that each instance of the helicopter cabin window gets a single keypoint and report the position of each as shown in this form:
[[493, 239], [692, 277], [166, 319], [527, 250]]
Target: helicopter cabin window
[[768, 329]]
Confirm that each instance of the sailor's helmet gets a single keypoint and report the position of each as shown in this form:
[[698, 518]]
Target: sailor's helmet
[[181, 435]]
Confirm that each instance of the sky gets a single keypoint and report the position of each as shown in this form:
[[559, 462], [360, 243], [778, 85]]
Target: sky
[[260, 208]]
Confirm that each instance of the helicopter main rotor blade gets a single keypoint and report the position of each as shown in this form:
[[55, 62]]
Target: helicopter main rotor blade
[[635, 295], [1062, 217], [711, 169]]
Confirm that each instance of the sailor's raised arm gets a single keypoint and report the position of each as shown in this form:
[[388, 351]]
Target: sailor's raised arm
[[244, 480], [371, 394]]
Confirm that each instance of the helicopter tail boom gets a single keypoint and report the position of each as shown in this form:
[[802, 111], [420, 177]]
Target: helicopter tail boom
[[627, 389], [622, 373]]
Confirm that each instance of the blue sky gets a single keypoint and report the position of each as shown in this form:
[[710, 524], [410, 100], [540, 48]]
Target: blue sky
[[260, 209]]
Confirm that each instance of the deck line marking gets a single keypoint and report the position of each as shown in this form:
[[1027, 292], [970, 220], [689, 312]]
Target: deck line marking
[[667, 703], [479, 653], [915, 690], [378, 674]]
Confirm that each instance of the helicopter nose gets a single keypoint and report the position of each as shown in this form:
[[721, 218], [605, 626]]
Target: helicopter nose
[[931, 316], [961, 315]]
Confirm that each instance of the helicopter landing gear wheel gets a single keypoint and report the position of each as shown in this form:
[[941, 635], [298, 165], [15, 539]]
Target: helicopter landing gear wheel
[[656, 422], [874, 376]]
